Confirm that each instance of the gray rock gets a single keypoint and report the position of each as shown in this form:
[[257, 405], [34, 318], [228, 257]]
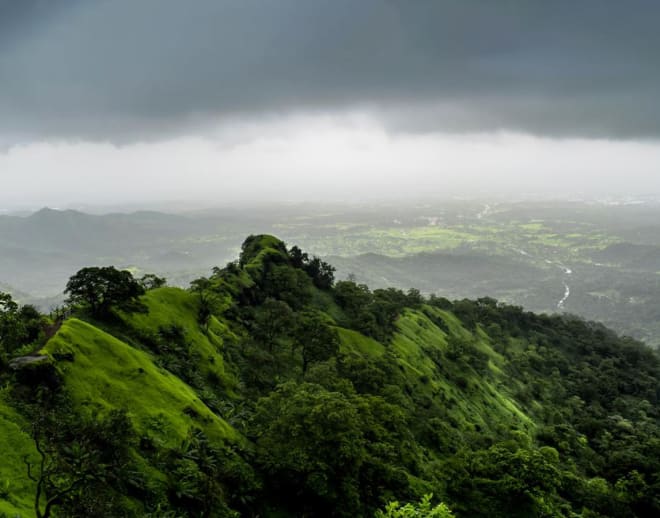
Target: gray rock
[[22, 361]]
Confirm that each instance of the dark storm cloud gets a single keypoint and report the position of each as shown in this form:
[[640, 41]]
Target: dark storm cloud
[[129, 69]]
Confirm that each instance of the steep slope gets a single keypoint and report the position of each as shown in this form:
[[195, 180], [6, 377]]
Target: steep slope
[[420, 341], [106, 374], [16, 489], [170, 327]]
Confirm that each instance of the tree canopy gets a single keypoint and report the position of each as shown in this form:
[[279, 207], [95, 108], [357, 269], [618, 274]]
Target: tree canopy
[[101, 288]]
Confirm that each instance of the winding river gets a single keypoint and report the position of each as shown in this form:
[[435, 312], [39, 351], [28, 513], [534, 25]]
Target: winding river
[[567, 272], [567, 288]]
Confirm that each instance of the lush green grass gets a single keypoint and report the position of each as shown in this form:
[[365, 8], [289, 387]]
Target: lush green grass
[[169, 306], [416, 331], [109, 374], [16, 445], [352, 341], [475, 401]]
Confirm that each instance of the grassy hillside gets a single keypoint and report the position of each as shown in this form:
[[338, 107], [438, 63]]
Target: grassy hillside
[[16, 489], [175, 310], [108, 374], [270, 390], [489, 404]]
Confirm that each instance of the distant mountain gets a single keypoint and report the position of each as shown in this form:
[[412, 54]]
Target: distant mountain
[[39, 252], [51, 230]]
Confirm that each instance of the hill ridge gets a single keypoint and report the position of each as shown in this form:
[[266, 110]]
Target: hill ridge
[[282, 392]]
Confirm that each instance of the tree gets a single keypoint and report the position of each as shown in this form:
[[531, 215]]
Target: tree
[[32, 321], [317, 340], [207, 301], [353, 298], [310, 444], [508, 480], [13, 331], [101, 288], [298, 257], [373, 313], [322, 273], [288, 284], [272, 319], [7, 304], [199, 473], [79, 462], [151, 281], [421, 510], [357, 302]]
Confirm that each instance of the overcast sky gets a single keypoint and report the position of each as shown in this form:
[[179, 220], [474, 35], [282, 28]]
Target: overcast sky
[[144, 100]]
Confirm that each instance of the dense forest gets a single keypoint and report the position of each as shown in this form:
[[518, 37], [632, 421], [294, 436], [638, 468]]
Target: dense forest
[[270, 389]]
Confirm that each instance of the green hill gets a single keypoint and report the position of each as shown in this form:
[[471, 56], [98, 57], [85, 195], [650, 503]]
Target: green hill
[[268, 389], [106, 373], [16, 489]]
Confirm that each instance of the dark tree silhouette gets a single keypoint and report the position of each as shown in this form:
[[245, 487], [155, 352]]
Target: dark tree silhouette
[[101, 288]]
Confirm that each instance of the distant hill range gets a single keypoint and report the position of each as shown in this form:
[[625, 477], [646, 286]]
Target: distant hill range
[[39, 252], [517, 253]]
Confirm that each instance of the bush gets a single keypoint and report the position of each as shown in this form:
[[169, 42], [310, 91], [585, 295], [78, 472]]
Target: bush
[[421, 510]]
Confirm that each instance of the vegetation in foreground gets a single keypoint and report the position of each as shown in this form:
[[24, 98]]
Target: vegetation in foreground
[[269, 389]]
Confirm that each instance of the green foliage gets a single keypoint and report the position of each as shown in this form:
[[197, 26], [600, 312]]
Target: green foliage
[[310, 442], [109, 374], [284, 283], [254, 246], [333, 449], [423, 509], [321, 273], [151, 281], [506, 480], [12, 327], [17, 495], [497, 411], [373, 314], [82, 466], [315, 338], [273, 319], [101, 288], [19, 326], [171, 330], [202, 477]]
